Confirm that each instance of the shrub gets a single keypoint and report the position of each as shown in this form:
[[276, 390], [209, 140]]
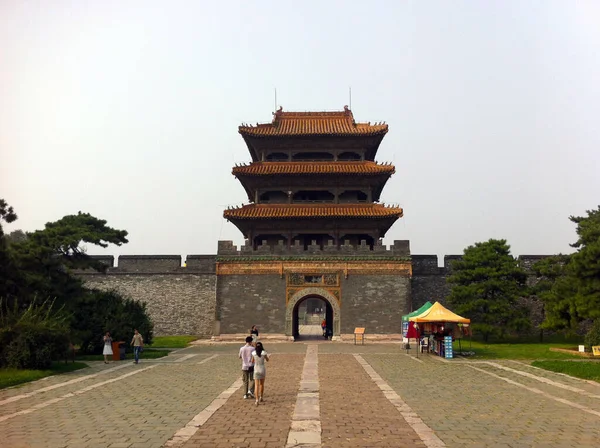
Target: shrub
[[593, 335], [32, 338], [101, 311]]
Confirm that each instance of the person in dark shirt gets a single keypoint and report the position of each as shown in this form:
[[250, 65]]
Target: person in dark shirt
[[254, 334]]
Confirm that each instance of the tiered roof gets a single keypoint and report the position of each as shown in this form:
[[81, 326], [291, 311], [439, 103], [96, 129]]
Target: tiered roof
[[312, 211], [296, 124], [364, 168], [297, 132]]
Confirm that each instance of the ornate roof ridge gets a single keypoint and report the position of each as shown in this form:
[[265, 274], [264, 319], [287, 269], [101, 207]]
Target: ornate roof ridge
[[313, 123]]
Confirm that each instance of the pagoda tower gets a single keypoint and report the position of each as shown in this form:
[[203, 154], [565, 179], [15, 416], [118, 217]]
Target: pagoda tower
[[313, 230], [313, 180]]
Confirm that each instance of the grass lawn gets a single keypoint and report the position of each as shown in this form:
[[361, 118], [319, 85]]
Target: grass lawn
[[148, 353], [172, 341], [514, 350], [12, 377], [582, 369]]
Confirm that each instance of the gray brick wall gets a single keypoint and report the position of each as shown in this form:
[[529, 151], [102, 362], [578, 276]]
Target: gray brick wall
[[177, 303], [246, 300], [184, 300], [375, 302]]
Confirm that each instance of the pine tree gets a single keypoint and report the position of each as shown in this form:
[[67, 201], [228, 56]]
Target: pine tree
[[486, 285], [585, 265]]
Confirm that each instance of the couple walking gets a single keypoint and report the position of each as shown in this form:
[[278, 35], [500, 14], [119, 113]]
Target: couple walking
[[253, 369], [137, 342]]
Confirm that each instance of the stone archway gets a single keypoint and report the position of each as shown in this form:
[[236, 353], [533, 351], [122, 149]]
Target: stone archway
[[312, 292]]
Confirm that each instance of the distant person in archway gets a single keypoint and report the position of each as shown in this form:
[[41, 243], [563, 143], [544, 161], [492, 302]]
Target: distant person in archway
[[259, 356], [254, 334], [324, 328], [107, 347]]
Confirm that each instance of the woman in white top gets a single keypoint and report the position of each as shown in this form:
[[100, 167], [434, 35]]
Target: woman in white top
[[107, 347], [259, 356]]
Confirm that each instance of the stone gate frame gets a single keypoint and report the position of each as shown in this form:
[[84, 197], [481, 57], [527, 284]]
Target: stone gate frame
[[303, 294]]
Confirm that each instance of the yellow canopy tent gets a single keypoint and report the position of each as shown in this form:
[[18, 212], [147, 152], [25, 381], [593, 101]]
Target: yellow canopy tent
[[438, 313]]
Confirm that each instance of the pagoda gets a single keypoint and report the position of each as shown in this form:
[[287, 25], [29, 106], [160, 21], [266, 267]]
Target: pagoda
[[313, 181]]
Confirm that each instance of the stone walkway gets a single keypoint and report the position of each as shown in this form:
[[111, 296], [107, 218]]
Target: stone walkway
[[331, 394]]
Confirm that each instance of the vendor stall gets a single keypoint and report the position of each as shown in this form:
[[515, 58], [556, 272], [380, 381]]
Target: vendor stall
[[440, 326], [405, 319]]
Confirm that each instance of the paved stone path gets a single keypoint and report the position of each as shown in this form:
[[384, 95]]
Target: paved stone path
[[354, 411], [240, 423], [372, 395]]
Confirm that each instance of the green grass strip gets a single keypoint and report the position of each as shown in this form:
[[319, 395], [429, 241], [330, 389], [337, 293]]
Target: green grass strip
[[172, 341], [581, 369], [146, 354], [12, 377]]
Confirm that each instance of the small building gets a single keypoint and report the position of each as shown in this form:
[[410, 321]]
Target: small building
[[313, 230]]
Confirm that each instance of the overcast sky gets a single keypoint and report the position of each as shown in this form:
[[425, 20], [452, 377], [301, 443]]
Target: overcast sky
[[129, 110]]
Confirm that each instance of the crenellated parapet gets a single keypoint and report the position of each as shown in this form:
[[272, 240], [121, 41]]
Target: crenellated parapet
[[400, 249], [154, 264], [527, 261]]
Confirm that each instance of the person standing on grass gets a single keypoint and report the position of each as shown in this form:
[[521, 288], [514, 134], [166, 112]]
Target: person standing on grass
[[107, 347], [259, 356], [138, 344], [247, 368]]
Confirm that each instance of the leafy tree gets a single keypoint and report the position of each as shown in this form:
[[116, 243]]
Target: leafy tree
[[42, 264], [16, 236], [8, 271], [33, 337], [7, 214], [486, 285], [102, 311]]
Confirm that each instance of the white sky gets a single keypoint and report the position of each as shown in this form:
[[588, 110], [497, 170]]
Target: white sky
[[129, 111]]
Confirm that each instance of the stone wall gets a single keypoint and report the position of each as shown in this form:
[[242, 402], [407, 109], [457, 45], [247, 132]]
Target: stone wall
[[429, 280], [246, 300], [180, 300], [375, 302], [183, 300]]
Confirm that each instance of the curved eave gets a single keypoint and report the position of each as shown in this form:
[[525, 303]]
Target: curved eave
[[321, 211], [327, 168], [271, 132]]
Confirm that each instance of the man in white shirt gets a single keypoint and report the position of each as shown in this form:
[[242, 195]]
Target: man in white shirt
[[247, 368]]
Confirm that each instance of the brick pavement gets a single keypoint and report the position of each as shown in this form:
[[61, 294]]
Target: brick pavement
[[239, 423], [467, 407], [143, 410], [354, 412], [502, 403]]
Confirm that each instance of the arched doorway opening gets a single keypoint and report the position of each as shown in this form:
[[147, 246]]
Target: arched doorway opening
[[308, 315], [332, 311]]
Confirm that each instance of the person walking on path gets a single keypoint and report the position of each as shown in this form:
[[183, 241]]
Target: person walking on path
[[107, 347], [324, 327], [259, 356], [138, 344], [254, 334], [247, 368]]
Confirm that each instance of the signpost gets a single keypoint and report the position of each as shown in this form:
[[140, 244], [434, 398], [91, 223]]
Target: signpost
[[448, 347], [596, 350]]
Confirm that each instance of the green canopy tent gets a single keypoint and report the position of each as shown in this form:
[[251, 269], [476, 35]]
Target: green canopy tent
[[406, 318]]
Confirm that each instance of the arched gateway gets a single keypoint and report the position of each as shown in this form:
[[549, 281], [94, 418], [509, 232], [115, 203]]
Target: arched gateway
[[291, 312]]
